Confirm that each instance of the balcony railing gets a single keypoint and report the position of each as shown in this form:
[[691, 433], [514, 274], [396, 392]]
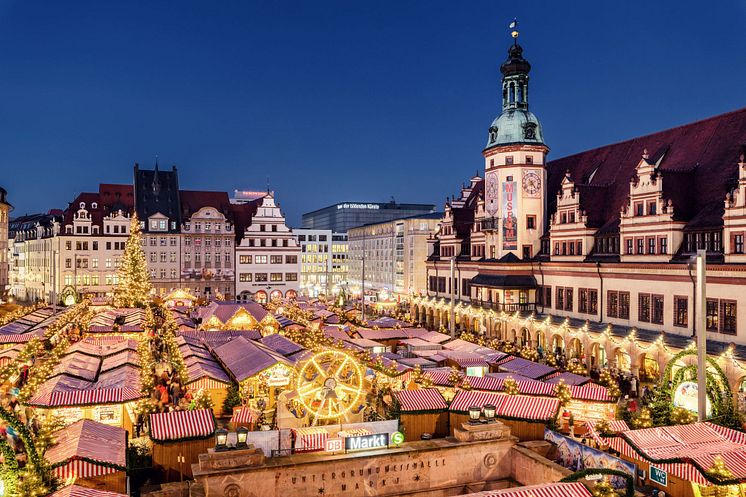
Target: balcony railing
[[506, 307]]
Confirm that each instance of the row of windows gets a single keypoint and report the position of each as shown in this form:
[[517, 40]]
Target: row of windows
[[273, 243], [262, 259], [161, 225], [262, 277], [79, 245], [208, 227], [208, 241], [164, 241], [84, 263], [529, 159], [649, 245], [568, 247], [208, 258], [721, 314]]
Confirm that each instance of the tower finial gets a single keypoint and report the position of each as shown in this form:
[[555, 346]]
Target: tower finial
[[514, 30]]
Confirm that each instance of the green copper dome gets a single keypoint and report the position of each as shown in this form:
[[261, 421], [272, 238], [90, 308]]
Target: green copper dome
[[516, 124]]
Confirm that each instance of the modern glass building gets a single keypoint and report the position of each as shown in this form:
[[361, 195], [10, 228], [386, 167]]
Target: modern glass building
[[345, 215]]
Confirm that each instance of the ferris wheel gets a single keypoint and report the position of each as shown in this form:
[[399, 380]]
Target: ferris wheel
[[330, 384]]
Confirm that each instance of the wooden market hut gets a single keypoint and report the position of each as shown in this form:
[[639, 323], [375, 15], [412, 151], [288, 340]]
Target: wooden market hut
[[92, 453], [180, 433], [204, 372], [180, 298], [421, 411], [685, 453], [220, 315], [98, 379], [526, 415], [256, 368], [80, 491]]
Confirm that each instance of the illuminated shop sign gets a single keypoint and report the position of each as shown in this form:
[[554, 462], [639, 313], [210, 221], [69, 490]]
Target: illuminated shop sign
[[358, 206], [365, 442]]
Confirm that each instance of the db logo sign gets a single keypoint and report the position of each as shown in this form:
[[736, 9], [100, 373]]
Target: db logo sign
[[334, 445]]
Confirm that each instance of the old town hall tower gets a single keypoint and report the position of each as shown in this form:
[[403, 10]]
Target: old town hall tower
[[515, 173]]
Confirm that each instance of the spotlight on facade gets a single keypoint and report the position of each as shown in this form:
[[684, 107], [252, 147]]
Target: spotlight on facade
[[221, 439], [474, 414], [242, 434]]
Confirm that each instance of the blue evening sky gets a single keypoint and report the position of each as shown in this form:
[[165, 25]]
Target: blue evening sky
[[337, 100]]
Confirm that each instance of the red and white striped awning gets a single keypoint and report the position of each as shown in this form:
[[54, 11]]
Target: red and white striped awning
[[590, 391], [532, 387], [68, 398], [78, 491], [615, 425], [429, 399], [488, 383], [439, 378], [178, 425], [696, 444], [78, 468], [574, 489], [207, 384], [354, 432], [508, 406], [310, 439], [242, 415], [528, 407], [470, 398]]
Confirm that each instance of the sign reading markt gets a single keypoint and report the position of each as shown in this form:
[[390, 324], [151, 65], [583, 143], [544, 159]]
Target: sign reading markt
[[365, 442]]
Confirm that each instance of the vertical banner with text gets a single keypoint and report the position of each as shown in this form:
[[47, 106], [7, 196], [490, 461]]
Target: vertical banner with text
[[510, 216]]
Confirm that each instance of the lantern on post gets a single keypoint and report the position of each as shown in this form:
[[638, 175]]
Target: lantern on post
[[474, 414], [221, 439], [242, 435]]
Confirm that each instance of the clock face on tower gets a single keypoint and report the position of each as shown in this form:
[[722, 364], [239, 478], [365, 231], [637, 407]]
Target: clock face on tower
[[532, 184]]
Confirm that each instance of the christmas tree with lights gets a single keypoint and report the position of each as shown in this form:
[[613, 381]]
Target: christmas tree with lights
[[133, 288]]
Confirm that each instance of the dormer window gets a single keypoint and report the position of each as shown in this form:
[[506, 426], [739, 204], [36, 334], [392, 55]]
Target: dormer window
[[563, 218], [94, 205], [652, 208]]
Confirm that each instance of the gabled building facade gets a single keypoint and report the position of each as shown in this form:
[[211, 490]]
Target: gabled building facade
[[267, 253], [602, 238], [159, 211]]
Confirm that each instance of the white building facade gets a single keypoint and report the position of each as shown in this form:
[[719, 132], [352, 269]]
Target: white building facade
[[323, 261], [267, 253]]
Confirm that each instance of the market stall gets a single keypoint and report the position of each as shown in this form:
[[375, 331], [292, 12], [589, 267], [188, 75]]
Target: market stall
[[180, 436], [243, 417], [80, 491], [260, 372], [91, 454], [420, 412], [687, 460], [526, 415], [311, 439]]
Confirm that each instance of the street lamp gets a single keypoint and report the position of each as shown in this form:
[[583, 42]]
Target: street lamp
[[221, 439], [474, 413], [489, 413], [242, 434]]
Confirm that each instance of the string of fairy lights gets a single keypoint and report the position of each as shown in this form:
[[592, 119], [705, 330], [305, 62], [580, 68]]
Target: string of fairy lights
[[630, 344]]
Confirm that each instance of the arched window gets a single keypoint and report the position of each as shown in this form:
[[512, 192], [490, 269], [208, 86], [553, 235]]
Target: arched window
[[511, 93], [260, 297]]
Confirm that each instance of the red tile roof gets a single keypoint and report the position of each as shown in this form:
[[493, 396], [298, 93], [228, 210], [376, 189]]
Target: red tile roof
[[698, 167], [192, 201]]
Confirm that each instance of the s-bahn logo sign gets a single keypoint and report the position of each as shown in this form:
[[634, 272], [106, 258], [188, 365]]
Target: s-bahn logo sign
[[365, 442]]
